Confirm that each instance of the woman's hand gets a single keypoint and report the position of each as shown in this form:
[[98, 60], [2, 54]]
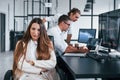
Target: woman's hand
[[30, 62], [44, 70]]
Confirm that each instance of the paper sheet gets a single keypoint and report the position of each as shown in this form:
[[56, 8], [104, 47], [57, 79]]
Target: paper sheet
[[75, 54]]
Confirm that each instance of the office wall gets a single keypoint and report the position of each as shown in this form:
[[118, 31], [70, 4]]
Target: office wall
[[6, 7]]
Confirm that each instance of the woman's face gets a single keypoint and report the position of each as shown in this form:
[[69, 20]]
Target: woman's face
[[35, 31]]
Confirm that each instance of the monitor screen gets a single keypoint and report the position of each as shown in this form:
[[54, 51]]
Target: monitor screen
[[85, 34], [109, 29], [109, 33]]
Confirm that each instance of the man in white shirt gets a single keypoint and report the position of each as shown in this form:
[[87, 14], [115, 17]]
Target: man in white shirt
[[73, 14], [57, 32]]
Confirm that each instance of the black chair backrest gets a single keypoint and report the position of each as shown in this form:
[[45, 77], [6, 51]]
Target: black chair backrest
[[51, 38], [8, 75]]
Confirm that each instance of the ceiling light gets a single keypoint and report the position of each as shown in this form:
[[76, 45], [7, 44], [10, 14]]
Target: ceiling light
[[87, 6]]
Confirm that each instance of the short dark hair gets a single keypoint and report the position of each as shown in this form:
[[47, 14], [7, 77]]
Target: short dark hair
[[63, 18], [74, 11]]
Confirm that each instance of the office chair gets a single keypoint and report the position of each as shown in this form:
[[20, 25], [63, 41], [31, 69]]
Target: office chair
[[51, 38], [8, 75], [58, 69]]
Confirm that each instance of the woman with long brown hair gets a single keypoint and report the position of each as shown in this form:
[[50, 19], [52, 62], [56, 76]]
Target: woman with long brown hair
[[34, 56]]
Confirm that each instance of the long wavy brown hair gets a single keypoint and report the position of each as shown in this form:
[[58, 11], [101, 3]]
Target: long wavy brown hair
[[43, 47]]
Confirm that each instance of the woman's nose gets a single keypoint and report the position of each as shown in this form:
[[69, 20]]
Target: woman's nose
[[36, 32]]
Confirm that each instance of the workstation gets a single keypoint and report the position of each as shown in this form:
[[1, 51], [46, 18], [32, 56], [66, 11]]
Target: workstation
[[97, 28], [101, 62]]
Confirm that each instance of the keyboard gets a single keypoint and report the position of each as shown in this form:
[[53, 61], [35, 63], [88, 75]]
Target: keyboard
[[103, 51], [97, 57]]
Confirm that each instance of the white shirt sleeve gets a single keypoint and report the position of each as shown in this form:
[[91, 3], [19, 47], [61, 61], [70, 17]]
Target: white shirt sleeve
[[59, 41], [47, 64], [26, 67], [70, 28], [60, 44], [53, 18]]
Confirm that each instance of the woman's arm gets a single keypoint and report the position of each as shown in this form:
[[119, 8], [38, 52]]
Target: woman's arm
[[46, 64], [52, 18], [27, 67], [24, 65]]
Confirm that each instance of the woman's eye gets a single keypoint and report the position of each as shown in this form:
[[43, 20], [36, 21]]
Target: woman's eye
[[33, 28], [38, 29]]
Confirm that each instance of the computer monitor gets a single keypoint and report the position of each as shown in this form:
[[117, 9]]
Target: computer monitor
[[109, 36], [85, 34]]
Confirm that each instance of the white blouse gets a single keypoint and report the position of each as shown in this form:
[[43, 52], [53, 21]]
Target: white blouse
[[39, 64]]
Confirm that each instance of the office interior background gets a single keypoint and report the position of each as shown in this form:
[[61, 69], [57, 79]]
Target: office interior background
[[16, 15]]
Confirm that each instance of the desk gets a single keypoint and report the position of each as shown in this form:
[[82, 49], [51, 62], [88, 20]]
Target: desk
[[89, 68]]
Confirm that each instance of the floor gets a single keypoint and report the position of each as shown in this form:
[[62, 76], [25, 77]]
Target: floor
[[6, 61]]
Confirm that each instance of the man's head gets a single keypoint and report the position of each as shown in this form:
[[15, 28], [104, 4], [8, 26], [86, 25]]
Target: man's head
[[64, 22], [74, 14]]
